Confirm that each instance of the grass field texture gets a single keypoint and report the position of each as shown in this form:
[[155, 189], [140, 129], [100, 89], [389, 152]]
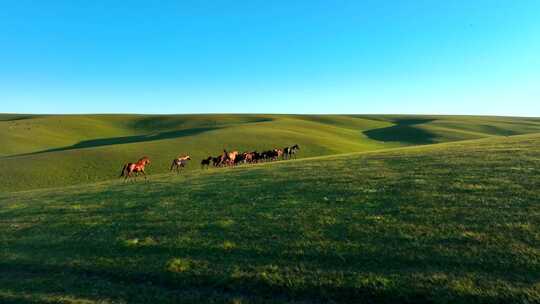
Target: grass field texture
[[446, 223]]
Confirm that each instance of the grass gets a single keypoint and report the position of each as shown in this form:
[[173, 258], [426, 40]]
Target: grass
[[39, 151], [446, 223]]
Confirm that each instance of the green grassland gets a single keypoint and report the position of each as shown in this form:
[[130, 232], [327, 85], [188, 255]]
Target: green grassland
[[39, 151], [446, 223]]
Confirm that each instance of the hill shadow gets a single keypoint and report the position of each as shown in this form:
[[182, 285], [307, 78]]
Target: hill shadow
[[15, 117], [108, 141], [147, 123], [403, 131]]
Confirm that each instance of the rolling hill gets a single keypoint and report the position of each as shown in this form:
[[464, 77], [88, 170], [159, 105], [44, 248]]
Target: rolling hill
[[38, 151], [444, 223]]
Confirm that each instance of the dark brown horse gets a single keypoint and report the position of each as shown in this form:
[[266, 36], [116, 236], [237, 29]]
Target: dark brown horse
[[206, 162], [223, 158], [137, 167], [216, 161], [289, 152]]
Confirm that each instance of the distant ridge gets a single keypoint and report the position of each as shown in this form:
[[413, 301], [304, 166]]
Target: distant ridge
[[52, 150]]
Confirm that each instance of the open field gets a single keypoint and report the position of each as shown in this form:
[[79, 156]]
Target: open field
[[241, 201], [38, 151], [447, 223]]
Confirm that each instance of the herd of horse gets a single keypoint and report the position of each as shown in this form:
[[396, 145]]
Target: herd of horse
[[226, 159]]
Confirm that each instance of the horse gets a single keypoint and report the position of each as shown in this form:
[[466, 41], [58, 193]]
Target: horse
[[223, 158], [249, 157], [267, 155], [240, 158], [215, 161], [137, 167], [179, 162], [231, 157], [206, 162], [291, 151], [256, 157], [278, 153]]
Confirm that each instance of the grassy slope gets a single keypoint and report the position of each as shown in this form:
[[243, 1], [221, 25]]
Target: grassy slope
[[89, 148], [453, 222]]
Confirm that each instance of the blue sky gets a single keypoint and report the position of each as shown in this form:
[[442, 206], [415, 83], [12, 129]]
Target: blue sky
[[425, 57]]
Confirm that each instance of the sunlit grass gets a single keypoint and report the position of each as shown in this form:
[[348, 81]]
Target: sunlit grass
[[444, 223], [78, 149]]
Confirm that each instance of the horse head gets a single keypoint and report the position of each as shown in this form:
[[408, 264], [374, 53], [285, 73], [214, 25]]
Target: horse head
[[144, 161]]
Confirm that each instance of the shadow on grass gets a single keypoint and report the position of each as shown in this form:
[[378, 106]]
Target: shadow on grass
[[15, 117], [404, 131], [139, 286], [143, 278], [126, 140]]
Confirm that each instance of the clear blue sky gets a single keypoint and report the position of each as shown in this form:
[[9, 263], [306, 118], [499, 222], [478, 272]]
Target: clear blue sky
[[440, 57]]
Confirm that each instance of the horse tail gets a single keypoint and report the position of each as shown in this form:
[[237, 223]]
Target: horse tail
[[172, 164], [123, 170]]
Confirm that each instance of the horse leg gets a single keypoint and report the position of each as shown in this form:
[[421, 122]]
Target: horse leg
[[123, 170], [129, 176], [144, 174]]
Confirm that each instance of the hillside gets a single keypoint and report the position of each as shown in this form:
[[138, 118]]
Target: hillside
[[446, 223], [39, 151]]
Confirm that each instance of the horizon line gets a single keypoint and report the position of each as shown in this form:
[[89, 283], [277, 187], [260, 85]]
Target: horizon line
[[262, 113]]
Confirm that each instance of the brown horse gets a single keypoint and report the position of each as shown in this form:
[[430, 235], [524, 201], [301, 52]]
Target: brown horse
[[179, 162], [137, 167], [223, 158], [278, 153], [248, 156]]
